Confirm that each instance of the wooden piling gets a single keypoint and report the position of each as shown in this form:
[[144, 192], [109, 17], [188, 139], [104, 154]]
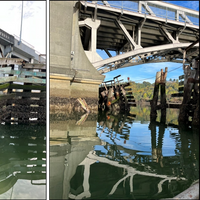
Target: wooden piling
[[154, 101], [28, 102], [195, 121], [188, 86], [160, 81], [163, 94]]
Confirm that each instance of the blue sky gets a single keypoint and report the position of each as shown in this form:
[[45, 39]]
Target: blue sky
[[147, 72]]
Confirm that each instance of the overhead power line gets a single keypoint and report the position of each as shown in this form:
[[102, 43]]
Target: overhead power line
[[159, 76]]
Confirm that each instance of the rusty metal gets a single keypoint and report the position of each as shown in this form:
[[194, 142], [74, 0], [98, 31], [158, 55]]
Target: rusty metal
[[190, 46], [114, 96]]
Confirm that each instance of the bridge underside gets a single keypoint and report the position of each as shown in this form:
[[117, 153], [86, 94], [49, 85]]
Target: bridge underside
[[135, 37]]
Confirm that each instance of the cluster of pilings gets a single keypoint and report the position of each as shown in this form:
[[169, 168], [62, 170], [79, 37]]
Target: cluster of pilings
[[115, 97], [22, 91], [188, 89], [190, 105]]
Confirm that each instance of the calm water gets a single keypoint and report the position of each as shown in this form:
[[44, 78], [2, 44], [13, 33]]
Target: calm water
[[22, 162], [119, 156]]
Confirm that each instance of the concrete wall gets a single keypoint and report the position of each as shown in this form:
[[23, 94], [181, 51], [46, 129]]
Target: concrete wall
[[64, 67], [60, 33]]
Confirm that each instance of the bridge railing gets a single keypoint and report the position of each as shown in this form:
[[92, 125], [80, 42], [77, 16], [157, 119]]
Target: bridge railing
[[26, 43], [167, 12]]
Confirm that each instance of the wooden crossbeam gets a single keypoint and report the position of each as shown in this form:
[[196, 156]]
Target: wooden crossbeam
[[23, 80], [34, 66], [25, 73], [4, 86], [8, 79], [5, 70], [11, 61], [181, 77], [27, 87], [7, 96], [31, 94], [177, 95]]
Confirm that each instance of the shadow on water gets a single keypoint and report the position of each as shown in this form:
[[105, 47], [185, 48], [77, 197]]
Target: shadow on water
[[22, 161], [121, 156]]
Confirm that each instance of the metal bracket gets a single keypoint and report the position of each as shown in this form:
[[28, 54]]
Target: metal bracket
[[182, 30], [120, 14], [85, 7], [142, 22], [74, 76]]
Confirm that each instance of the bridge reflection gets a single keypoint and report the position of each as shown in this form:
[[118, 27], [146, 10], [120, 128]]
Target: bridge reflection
[[128, 157], [117, 170], [23, 161]]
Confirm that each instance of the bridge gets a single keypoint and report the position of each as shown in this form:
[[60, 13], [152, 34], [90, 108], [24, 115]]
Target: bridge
[[10, 47], [138, 31]]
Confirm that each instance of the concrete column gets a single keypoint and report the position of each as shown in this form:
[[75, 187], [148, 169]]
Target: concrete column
[[8, 51], [94, 26], [93, 40], [177, 15], [139, 6], [32, 60], [133, 36], [139, 36]]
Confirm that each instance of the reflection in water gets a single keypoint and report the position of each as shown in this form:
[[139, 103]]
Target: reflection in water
[[22, 162], [132, 158]]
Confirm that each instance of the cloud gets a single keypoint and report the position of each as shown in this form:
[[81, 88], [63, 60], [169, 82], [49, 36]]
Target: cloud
[[187, 4], [12, 7], [191, 4], [34, 18], [30, 9], [152, 67]]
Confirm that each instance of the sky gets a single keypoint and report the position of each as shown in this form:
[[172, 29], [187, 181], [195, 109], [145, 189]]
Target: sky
[[147, 72], [33, 24]]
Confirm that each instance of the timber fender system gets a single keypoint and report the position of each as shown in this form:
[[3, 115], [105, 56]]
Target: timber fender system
[[72, 75]]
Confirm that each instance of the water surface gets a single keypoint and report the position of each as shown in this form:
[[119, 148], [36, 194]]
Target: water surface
[[22, 161], [121, 156]]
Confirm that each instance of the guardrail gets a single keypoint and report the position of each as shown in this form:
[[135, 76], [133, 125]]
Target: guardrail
[[161, 9], [26, 43]]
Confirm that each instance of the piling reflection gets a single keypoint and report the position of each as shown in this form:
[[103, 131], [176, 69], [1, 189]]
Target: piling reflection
[[23, 162], [132, 158]]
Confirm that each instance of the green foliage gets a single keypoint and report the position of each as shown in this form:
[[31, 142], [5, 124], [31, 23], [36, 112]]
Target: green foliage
[[144, 91], [143, 114]]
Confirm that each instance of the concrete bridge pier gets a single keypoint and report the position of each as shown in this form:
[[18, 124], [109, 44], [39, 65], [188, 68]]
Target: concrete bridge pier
[[72, 75]]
